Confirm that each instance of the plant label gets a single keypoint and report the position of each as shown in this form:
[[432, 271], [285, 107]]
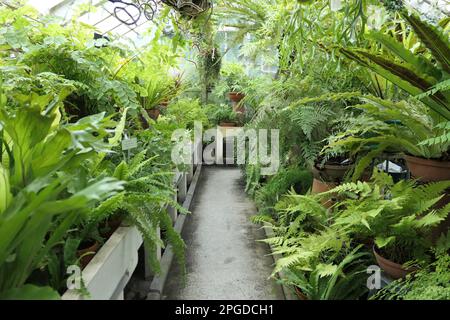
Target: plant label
[[128, 144]]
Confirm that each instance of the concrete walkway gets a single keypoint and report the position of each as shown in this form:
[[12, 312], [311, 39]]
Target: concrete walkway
[[224, 261]]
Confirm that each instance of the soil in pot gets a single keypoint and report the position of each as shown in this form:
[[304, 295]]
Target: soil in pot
[[86, 251], [392, 269], [427, 170]]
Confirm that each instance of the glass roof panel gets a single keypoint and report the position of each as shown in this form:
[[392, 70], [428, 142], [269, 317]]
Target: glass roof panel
[[132, 24], [107, 17]]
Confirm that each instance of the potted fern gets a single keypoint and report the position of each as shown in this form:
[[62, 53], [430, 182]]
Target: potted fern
[[156, 95], [233, 81], [398, 218], [319, 260], [424, 76], [373, 132], [329, 172], [222, 115]]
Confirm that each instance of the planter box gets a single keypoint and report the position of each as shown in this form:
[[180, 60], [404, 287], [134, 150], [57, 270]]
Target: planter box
[[107, 274]]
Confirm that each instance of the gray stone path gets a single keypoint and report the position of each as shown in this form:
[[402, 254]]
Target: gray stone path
[[224, 260]]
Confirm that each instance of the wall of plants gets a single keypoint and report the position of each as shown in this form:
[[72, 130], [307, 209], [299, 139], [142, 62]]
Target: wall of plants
[[361, 98], [67, 101], [361, 85]]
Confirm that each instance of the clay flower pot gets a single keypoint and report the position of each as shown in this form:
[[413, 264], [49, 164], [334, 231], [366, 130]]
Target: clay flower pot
[[154, 113], [427, 170], [236, 96], [393, 269], [86, 252], [227, 124], [320, 186], [330, 172]]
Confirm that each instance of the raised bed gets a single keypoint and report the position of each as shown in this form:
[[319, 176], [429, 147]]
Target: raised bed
[[107, 274]]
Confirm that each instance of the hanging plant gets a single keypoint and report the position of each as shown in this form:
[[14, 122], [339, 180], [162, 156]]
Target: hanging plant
[[191, 8]]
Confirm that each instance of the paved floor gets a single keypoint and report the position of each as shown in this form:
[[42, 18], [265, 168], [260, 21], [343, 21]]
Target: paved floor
[[224, 260]]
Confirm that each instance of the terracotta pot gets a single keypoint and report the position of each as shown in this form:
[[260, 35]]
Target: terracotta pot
[[319, 187], [86, 254], [154, 113], [330, 172], [427, 170], [227, 124], [393, 269], [300, 294], [236, 96]]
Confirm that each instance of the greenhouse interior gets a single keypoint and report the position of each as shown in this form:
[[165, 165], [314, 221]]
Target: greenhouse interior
[[214, 150]]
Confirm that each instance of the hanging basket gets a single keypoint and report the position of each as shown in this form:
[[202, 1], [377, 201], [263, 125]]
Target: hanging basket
[[191, 8]]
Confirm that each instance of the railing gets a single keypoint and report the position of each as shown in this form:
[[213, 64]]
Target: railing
[[110, 270]]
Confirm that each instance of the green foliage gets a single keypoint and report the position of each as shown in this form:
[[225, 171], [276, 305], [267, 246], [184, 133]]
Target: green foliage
[[159, 89], [430, 283], [252, 179], [415, 74], [144, 201], [385, 126], [185, 111], [100, 75], [286, 178], [223, 113], [397, 217], [328, 281], [442, 137], [40, 160], [322, 248], [233, 78]]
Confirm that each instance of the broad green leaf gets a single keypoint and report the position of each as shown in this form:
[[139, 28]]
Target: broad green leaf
[[30, 292], [5, 192], [325, 270], [382, 242], [433, 38]]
